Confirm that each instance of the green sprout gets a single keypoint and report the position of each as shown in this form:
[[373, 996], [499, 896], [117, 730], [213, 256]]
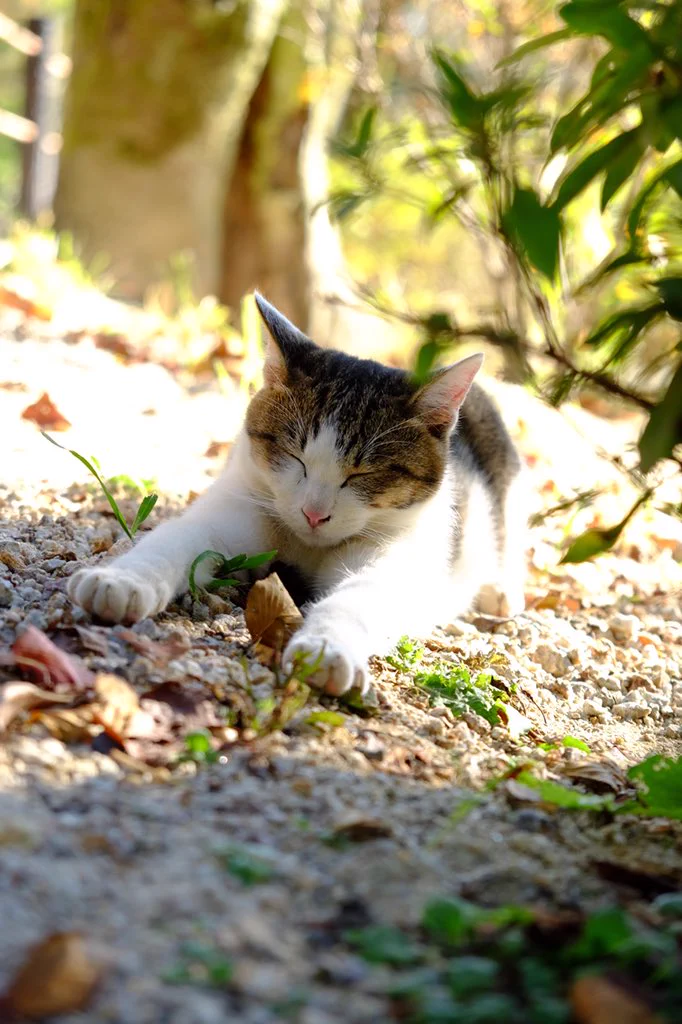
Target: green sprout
[[145, 507]]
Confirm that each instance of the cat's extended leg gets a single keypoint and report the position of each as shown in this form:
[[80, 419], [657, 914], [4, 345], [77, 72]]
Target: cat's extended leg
[[143, 580], [505, 595]]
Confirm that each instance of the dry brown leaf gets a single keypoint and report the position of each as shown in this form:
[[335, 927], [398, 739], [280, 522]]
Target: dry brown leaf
[[16, 697], [58, 976], [597, 1000], [45, 414], [11, 299], [598, 776], [550, 600], [160, 652], [117, 704], [271, 615], [38, 656], [359, 829], [69, 725]]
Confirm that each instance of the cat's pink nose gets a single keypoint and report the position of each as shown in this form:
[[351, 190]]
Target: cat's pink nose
[[314, 517]]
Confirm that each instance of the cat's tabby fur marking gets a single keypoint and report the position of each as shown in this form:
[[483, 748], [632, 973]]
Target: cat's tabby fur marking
[[396, 507]]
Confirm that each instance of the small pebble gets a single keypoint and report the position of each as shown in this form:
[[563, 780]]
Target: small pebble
[[624, 628]]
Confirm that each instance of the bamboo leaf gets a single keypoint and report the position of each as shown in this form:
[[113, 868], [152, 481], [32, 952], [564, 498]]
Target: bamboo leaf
[[664, 429]]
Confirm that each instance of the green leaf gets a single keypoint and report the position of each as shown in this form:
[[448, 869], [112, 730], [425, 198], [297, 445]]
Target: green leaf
[[596, 541], [585, 17], [536, 229], [248, 864], [605, 934], [614, 85], [254, 561], [146, 506], [333, 718], [224, 567], [670, 290], [572, 741], [345, 202], [204, 556], [381, 944], [563, 796], [619, 322], [426, 357], [107, 493], [573, 183], [364, 132], [472, 974], [622, 167], [670, 175], [535, 44], [661, 779], [452, 920], [464, 106], [664, 429]]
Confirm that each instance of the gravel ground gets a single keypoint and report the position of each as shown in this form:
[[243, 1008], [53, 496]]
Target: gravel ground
[[353, 819]]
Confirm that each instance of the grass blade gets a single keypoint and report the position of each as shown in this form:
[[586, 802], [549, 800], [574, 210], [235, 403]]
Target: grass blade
[[107, 493]]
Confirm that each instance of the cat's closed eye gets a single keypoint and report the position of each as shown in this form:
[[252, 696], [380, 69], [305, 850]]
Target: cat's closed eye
[[302, 465], [353, 476]]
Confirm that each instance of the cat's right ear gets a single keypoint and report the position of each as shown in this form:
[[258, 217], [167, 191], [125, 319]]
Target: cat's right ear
[[284, 341]]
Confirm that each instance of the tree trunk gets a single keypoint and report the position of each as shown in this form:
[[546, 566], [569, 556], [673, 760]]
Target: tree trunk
[[154, 112], [263, 221]]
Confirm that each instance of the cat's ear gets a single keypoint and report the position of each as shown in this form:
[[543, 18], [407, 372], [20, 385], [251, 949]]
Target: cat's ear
[[438, 401], [283, 342]]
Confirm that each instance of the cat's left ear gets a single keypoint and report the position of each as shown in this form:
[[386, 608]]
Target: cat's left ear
[[439, 400], [284, 341]]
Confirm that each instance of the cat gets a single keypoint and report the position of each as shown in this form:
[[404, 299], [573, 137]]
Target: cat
[[399, 505]]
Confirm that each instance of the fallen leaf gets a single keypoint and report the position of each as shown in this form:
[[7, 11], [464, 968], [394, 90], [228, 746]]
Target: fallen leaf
[[358, 829], [598, 776], [159, 652], [271, 615], [597, 1000], [16, 697], [68, 725], [38, 656], [117, 703], [45, 414], [117, 344], [58, 976], [12, 299], [550, 600]]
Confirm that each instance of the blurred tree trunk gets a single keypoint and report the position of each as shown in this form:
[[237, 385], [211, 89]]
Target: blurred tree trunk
[[278, 235], [154, 111], [263, 242]]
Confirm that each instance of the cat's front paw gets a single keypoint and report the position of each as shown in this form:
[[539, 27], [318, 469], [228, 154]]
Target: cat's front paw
[[117, 594], [338, 668]]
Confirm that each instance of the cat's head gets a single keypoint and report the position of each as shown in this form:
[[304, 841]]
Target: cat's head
[[345, 444]]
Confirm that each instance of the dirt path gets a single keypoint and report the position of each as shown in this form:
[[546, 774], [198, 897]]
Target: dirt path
[[257, 865]]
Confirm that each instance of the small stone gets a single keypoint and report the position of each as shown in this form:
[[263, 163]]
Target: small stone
[[6, 594], [593, 708], [629, 710], [624, 628], [551, 660], [458, 627]]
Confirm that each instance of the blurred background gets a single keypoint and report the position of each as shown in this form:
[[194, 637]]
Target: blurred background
[[405, 179]]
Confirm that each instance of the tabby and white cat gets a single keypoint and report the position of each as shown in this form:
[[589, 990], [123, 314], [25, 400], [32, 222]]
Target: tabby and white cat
[[397, 505]]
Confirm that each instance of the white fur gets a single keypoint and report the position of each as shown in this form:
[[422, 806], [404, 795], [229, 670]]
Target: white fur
[[383, 573]]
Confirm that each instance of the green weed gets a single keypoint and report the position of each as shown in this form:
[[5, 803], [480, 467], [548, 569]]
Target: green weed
[[199, 749], [248, 864], [145, 507], [476, 965], [224, 567], [201, 964]]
